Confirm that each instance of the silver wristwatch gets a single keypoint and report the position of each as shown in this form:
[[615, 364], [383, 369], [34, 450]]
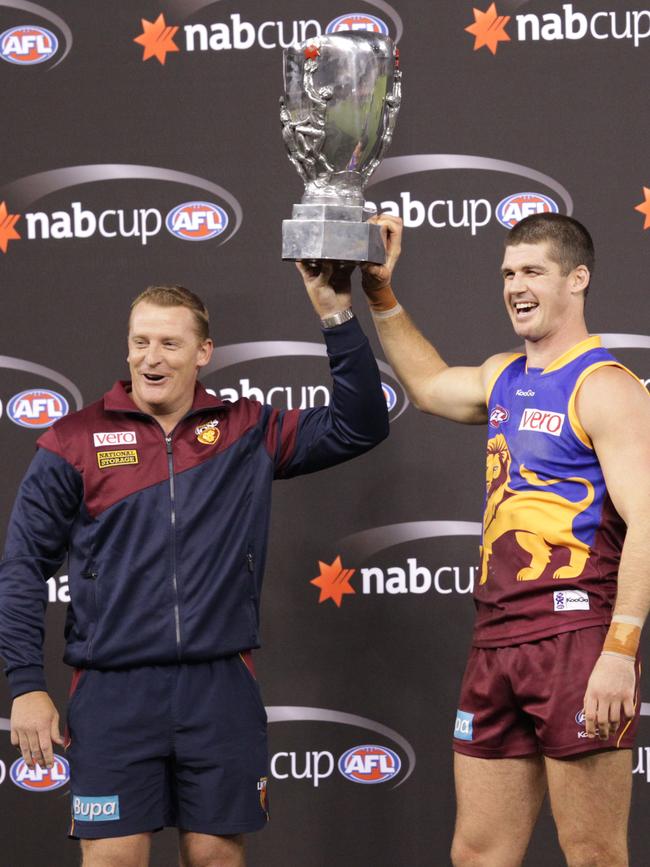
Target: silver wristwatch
[[337, 318]]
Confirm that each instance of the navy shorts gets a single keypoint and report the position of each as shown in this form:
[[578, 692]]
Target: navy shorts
[[527, 699], [175, 745]]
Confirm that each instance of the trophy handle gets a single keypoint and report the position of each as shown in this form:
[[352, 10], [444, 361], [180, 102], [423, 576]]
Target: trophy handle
[[391, 110]]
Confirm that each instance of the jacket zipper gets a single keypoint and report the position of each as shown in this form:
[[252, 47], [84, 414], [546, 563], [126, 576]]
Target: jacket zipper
[[172, 496]]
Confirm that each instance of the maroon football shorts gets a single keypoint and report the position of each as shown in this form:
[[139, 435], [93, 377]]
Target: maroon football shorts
[[527, 699]]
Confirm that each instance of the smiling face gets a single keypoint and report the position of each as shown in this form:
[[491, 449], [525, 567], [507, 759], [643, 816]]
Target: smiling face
[[542, 301], [165, 355]]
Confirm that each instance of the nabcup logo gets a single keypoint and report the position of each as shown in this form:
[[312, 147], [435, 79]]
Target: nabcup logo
[[160, 37], [37, 408], [357, 21], [514, 208], [27, 46], [369, 764], [38, 779], [196, 221], [455, 212]]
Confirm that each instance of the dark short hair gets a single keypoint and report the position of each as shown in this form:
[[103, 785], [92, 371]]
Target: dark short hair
[[178, 296], [570, 243]]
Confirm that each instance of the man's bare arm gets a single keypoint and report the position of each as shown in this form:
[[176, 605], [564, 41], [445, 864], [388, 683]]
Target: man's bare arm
[[614, 410], [456, 393]]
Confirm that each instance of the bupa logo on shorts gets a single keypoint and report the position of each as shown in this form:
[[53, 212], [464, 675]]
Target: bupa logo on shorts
[[38, 779], [92, 808], [196, 221], [115, 438], [498, 416], [570, 600], [514, 208], [464, 726], [369, 764], [37, 408], [390, 396], [357, 21], [28, 45], [542, 421]]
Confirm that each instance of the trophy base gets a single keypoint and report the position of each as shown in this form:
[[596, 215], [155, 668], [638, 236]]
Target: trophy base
[[333, 232]]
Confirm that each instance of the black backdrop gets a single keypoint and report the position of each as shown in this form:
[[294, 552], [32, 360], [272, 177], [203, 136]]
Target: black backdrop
[[555, 105]]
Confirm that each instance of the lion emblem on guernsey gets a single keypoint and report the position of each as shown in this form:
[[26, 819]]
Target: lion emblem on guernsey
[[547, 517]]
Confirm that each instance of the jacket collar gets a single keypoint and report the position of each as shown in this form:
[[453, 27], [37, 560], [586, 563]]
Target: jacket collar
[[119, 399]]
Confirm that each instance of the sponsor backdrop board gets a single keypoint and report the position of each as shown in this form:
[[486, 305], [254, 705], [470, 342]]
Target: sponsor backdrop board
[[141, 144]]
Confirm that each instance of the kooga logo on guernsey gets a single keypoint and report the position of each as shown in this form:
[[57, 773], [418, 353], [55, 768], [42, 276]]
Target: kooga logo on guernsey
[[491, 29], [189, 220], [239, 31], [29, 42]]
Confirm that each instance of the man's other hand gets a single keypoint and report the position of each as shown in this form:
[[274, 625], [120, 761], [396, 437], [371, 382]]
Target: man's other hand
[[34, 726]]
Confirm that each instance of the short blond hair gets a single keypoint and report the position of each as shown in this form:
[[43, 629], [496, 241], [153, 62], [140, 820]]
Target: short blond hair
[[178, 296]]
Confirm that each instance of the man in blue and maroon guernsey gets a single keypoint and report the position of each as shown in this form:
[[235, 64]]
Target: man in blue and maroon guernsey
[[551, 686], [159, 495]]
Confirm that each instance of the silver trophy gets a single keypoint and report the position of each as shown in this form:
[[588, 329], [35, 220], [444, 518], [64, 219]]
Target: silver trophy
[[342, 93]]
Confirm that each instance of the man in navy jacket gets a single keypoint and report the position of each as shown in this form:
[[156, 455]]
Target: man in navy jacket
[[159, 496]]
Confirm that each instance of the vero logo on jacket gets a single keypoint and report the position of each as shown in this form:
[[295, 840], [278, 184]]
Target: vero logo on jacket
[[542, 421]]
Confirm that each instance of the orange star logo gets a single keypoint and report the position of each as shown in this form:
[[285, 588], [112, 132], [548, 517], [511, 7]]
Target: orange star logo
[[157, 39], [488, 29], [334, 581], [7, 231], [644, 208]]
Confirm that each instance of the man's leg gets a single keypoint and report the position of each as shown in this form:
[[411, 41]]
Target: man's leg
[[498, 801], [132, 851], [206, 850], [590, 797]]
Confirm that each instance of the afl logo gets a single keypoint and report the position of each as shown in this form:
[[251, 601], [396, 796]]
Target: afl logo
[[390, 395], [38, 779], [514, 208], [196, 221], [28, 45], [357, 21], [369, 764], [37, 408]]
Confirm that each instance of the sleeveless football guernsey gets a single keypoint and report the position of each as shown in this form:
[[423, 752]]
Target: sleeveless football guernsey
[[551, 536]]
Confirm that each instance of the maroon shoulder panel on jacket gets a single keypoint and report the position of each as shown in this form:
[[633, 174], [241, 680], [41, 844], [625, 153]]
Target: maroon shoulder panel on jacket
[[119, 450]]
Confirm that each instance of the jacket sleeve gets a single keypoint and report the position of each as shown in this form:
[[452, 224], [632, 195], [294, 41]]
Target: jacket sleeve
[[47, 503], [355, 421]]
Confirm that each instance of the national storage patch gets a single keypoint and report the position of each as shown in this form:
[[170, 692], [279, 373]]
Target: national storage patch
[[117, 458]]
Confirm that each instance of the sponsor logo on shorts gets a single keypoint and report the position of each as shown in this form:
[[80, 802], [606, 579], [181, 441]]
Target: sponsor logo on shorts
[[38, 779], [464, 726], [570, 600], [498, 416], [208, 433], [115, 438], [542, 421], [527, 393], [262, 789], [369, 764], [117, 458], [93, 808], [580, 717]]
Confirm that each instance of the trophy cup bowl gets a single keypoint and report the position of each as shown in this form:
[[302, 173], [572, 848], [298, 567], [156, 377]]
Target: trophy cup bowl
[[342, 93]]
